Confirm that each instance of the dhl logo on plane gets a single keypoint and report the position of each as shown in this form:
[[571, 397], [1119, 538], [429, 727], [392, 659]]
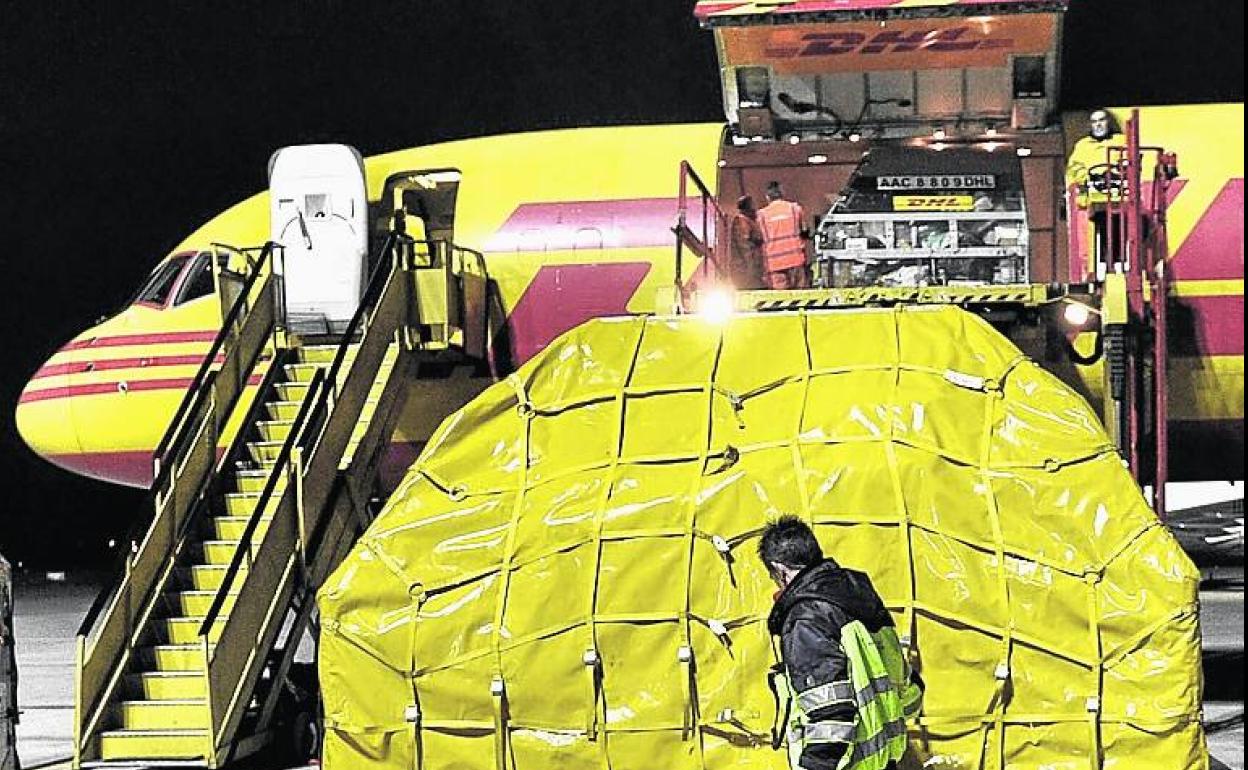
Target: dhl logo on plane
[[576, 225]]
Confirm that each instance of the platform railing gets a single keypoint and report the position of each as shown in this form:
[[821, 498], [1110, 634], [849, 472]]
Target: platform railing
[[309, 462], [183, 464], [707, 236]]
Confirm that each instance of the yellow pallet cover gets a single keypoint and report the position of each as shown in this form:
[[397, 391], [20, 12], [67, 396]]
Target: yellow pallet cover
[[567, 577]]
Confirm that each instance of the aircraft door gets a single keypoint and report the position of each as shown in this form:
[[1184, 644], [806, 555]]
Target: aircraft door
[[319, 213], [230, 268]]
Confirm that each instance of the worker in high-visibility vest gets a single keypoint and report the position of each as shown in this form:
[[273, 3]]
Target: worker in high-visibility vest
[[1088, 170], [784, 241], [745, 255], [844, 683]]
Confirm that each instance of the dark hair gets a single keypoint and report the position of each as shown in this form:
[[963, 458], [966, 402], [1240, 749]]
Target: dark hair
[[773, 190], [789, 541], [745, 204]]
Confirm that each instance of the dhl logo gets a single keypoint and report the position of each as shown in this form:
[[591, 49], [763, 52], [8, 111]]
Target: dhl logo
[[889, 41], [933, 203]]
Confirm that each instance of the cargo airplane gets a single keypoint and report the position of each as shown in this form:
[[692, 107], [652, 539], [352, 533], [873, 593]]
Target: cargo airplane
[[577, 224]]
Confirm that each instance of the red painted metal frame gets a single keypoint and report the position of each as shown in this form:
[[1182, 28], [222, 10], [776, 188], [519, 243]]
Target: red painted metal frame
[[712, 240], [1141, 257]]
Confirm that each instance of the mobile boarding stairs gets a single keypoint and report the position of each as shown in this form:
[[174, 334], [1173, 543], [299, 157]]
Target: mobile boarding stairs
[[183, 657]]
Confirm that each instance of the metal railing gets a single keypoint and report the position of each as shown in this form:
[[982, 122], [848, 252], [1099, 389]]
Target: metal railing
[[309, 462], [183, 464], [709, 240], [1136, 217], [231, 328]]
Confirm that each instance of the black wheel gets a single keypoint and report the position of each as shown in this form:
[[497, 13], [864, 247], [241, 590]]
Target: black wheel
[[303, 737]]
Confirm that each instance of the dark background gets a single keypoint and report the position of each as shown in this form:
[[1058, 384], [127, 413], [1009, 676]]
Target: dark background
[[124, 125]]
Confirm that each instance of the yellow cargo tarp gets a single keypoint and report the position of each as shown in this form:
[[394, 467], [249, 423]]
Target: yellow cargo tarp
[[567, 577]]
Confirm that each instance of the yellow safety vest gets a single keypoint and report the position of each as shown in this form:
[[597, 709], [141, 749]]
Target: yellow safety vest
[[883, 695]]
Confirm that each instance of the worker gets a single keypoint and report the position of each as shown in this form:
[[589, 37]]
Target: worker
[[1088, 164], [784, 241], [849, 685], [745, 260], [1090, 172]]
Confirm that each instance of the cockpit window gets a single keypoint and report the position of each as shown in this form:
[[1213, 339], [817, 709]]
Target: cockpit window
[[160, 284], [198, 280]]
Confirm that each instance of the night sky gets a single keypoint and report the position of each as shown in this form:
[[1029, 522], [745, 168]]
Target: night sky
[[125, 125]]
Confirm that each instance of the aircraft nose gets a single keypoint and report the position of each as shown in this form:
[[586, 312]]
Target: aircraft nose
[[43, 417], [54, 426]]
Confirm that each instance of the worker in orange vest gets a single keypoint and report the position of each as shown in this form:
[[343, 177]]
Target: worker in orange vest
[[784, 241]]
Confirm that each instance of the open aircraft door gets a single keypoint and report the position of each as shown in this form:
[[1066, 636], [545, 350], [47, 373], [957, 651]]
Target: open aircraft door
[[319, 213]]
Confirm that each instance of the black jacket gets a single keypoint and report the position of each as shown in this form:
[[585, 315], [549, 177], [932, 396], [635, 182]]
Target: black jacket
[[808, 617]]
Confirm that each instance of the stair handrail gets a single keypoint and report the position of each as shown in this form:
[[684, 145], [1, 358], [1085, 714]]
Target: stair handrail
[[314, 399], [484, 272], [194, 429], [177, 426], [194, 395], [370, 296], [707, 244], [295, 438], [386, 256], [296, 432], [318, 411]]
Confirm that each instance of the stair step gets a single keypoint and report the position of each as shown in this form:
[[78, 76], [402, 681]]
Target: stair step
[[233, 527], [174, 657], [241, 503], [219, 551], [199, 602], [304, 372], [292, 391], [247, 481], [168, 685], [230, 527], [283, 410], [274, 430], [324, 354], [154, 744], [209, 577], [264, 451], [185, 629], [164, 714]]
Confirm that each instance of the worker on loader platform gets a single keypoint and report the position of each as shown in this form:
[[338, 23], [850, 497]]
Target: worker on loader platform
[[784, 241], [1097, 181], [847, 682], [1088, 165]]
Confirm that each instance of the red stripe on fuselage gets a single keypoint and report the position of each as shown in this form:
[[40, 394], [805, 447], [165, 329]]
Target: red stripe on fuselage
[[101, 388], [153, 338], [1214, 250], [78, 367], [627, 223], [134, 467], [562, 297], [1213, 325]]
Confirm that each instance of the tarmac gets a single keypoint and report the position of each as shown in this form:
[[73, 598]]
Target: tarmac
[[47, 615]]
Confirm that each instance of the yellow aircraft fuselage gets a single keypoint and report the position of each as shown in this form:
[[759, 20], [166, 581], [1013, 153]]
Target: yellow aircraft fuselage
[[576, 224]]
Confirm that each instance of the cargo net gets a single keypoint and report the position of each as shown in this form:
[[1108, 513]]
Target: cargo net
[[567, 577]]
